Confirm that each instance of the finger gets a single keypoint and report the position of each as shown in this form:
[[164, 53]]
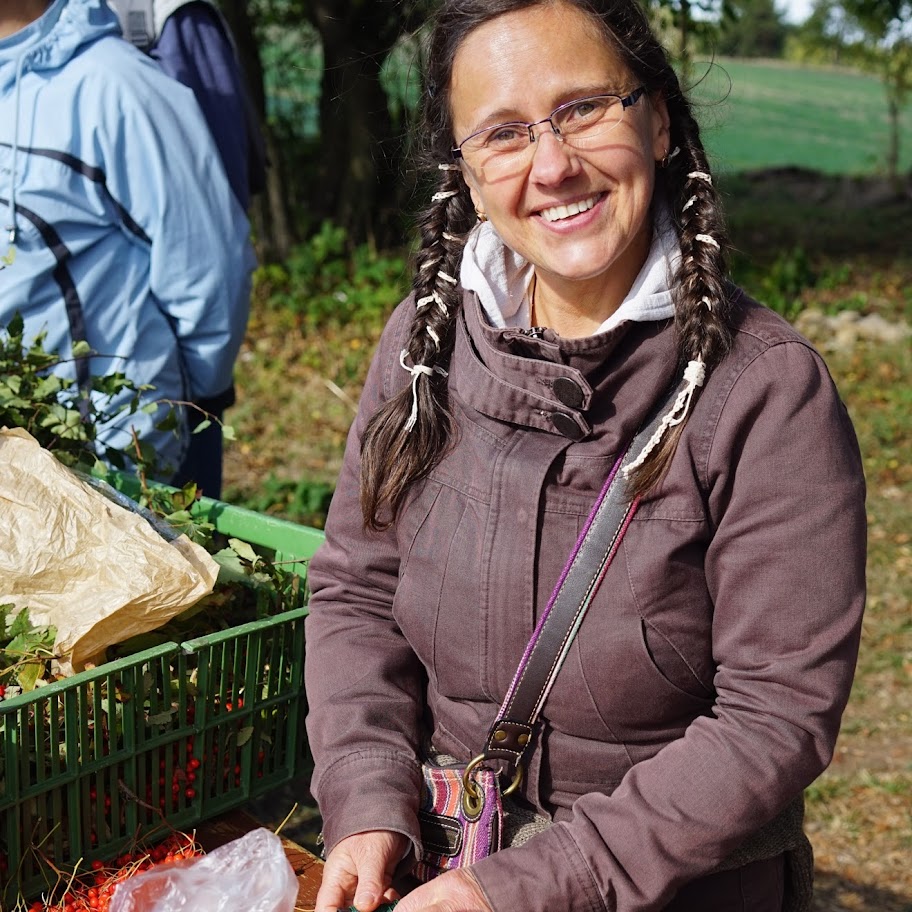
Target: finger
[[336, 889]]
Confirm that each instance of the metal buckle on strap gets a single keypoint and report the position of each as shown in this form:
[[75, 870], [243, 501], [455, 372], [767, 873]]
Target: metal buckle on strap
[[472, 797]]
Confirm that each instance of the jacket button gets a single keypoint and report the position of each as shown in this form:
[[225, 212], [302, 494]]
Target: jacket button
[[568, 391], [566, 425]]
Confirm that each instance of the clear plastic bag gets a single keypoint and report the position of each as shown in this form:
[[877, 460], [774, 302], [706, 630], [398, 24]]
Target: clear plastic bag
[[250, 874]]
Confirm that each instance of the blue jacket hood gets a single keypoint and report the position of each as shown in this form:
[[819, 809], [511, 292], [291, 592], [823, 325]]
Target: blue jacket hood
[[49, 42]]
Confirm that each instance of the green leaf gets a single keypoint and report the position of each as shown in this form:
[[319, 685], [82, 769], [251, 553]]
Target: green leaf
[[202, 426], [28, 675], [231, 570], [228, 432], [244, 735], [81, 348], [162, 718], [243, 549], [21, 624]]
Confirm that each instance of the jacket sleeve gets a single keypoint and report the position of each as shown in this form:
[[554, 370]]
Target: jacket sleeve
[[785, 565], [365, 686], [164, 171]]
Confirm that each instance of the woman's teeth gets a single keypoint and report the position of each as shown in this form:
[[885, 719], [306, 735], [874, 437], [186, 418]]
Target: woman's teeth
[[561, 212]]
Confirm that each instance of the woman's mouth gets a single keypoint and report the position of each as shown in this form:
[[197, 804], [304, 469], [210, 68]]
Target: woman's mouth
[[556, 213]]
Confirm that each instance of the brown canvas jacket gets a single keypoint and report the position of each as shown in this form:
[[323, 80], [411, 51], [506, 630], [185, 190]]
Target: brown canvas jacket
[[705, 688]]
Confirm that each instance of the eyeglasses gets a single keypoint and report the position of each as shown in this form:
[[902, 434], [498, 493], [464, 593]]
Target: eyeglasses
[[500, 149]]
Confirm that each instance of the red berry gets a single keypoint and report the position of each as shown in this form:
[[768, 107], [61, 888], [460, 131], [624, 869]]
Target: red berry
[[190, 793]]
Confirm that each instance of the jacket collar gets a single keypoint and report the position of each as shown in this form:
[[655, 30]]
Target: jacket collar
[[567, 387]]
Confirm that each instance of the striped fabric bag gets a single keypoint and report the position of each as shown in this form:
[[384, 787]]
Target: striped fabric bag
[[456, 832]]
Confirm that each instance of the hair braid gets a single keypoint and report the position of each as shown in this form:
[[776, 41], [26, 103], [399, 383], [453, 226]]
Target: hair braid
[[415, 423], [702, 317]]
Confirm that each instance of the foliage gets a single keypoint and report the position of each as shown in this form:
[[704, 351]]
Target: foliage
[[301, 500], [755, 29], [780, 284], [24, 649], [34, 395], [327, 287]]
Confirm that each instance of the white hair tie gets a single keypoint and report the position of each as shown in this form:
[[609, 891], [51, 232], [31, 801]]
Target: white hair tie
[[447, 278], [451, 237], [689, 203], [444, 194], [694, 376], [706, 303], [416, 371], [700, 175], [706, 239], [429, 299], [443, 166], [434, 337]]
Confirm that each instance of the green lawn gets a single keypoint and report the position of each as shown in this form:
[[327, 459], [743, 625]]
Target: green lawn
[[762, 114]]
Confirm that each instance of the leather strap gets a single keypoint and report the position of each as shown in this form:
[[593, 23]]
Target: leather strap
[[510, 737]]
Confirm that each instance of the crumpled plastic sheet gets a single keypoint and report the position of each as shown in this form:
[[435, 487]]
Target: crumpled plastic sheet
[[250, 874]]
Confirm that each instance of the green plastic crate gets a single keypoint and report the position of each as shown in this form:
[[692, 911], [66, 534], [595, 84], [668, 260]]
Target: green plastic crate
[[227, 708]]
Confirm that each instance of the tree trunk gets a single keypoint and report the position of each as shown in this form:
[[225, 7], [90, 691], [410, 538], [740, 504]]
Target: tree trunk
[[268, 211], [684, 29], [893, 140], [359, 168]]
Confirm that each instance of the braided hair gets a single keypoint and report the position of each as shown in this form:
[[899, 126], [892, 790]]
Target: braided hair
[[416, 424]]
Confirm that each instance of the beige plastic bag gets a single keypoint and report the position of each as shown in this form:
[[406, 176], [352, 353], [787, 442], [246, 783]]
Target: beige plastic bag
[[93, 570]]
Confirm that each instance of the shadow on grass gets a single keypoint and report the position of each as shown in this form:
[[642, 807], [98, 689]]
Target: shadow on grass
[[781, 208], [833, 893]]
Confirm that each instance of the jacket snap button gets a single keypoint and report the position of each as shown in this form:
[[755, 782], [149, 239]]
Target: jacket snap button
[[568, 391], [566, 425]]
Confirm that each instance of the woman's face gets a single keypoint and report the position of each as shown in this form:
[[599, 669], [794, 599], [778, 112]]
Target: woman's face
[[520, 67]]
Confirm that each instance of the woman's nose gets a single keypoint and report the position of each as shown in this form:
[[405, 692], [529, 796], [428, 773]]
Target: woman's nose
[[553, 160]]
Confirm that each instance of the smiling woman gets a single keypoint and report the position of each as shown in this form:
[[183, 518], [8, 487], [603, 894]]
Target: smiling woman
[[571, 296]]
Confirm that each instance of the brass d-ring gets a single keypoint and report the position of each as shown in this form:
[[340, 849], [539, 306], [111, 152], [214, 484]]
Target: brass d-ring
[[517, 779], [472, 797]]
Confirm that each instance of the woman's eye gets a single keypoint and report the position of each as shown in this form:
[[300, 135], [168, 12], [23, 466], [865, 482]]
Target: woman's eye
[[585, 110], [505, 135]]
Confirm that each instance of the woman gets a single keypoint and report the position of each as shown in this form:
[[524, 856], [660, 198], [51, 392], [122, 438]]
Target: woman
[[572, 262]]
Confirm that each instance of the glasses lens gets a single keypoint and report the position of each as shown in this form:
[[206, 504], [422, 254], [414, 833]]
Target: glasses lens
[[589, 117]]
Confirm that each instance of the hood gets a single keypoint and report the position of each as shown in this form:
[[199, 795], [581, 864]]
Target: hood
[[49, 42], [500, 277]]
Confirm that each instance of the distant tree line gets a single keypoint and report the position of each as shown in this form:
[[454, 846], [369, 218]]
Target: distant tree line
[[353, 168]]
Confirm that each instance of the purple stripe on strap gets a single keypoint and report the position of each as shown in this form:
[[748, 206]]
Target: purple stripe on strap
[[544, 617]]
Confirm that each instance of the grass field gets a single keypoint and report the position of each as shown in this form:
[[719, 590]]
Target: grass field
[[762, 114], [803, 240]]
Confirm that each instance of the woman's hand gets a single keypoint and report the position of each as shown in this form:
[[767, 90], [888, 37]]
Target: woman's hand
[[455, 891], [359, 871]]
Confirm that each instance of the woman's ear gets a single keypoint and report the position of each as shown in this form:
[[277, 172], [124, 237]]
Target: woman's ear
[[661, 127], [473, 191]]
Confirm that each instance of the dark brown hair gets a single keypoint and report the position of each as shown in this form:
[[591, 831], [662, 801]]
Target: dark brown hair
[[394, 457]]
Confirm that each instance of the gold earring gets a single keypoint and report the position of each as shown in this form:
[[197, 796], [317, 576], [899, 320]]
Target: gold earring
[[481, 215]]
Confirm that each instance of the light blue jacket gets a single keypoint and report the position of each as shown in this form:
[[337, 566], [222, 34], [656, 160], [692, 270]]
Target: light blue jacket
[[126, 232]]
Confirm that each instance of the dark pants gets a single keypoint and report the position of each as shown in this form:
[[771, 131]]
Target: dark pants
[[203, 459], [755, 887]]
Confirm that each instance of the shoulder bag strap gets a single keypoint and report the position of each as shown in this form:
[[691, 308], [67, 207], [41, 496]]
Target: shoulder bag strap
[[510, 737]]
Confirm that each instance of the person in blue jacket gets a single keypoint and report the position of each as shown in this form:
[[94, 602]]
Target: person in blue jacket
[[119, 226], [191, 41]]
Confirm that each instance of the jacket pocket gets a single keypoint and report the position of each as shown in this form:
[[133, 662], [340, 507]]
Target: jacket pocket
[[438, 601], [670, 664]]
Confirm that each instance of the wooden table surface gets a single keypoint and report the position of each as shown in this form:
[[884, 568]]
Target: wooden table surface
[[307, 867]]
